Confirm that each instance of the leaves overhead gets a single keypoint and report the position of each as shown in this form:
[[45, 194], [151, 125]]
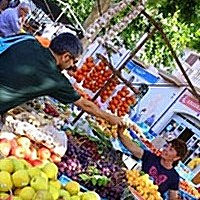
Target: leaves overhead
[[180, 20]]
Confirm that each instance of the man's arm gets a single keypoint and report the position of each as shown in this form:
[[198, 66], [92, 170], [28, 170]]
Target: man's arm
[[93, 109], [173, 195], [131, 146]]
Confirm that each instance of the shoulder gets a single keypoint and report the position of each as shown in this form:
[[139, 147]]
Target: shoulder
[[148, 154], [10, 12]]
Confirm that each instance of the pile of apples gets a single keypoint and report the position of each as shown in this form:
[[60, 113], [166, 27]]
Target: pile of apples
[[143, 185], [22, 147], [20, 181], [121, 102]]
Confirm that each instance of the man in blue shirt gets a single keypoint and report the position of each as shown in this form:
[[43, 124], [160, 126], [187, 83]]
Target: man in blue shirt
[[11, 19]]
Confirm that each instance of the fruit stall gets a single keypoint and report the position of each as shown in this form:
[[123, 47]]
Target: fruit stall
[[87, 163], [73, 162], [51, 151]]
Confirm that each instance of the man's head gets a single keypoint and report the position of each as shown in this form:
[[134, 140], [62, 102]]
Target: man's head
[[23, 9], [67, 48], [175, 150]]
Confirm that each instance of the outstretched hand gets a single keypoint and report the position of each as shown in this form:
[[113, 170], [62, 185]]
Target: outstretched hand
[[121, 126]]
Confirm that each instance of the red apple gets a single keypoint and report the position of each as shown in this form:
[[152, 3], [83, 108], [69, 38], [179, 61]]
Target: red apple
[[14, 143], [36, 162], [44, 153], [5, 147], [55, 158], [27, 153], [24, 141], [18, 151], [33, 154]]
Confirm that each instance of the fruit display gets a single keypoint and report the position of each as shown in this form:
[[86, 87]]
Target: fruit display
[[121, 102], [143, 185], [23, 148], [93, 75], [19, 181], [109, 89], [102, 126], [47, 135], [85, 69], [94, 166], [185, 186]]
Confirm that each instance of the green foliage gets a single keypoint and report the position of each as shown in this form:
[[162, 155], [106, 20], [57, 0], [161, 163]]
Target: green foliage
[[180, 19], [156, 51], [189, 9], [81, 8]]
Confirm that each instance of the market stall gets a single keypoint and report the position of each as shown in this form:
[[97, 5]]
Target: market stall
[[57, 151]]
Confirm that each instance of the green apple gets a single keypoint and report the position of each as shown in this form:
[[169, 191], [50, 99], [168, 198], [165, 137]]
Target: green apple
[[89, 195], [27, 193], [51, 170], [65, 195], [16, 198], [34, 171], [53, 191], [55, 183], [73, 187], [42, 195], [44, 176], [76, 197], [39, 183], [5, 181], [6, 164], [21, 178], [4, 196], [18, 164]]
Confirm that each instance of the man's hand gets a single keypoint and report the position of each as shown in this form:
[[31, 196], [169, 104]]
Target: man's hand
[[114, 120], [91, 108]]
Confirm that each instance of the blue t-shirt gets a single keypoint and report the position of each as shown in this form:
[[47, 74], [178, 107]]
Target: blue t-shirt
[[166, 179]]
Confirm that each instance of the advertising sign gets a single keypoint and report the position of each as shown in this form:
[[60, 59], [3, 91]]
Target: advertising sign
[[190, 102]]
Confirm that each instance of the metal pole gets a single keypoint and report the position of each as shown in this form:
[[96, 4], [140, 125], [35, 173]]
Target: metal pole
[[159, 28]]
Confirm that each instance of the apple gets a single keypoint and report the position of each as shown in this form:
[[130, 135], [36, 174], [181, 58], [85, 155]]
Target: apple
[[33, 154], [36, 162], [27, 154], [24, 141], [5, 147], [44, 153], [18, 151], [13, 143], [55, 158]]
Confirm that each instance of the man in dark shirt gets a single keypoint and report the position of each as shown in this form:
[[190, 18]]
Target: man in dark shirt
[[28, 70], [161, 169]]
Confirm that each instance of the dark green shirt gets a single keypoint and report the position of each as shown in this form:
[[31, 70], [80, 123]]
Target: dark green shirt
[[27, 71]]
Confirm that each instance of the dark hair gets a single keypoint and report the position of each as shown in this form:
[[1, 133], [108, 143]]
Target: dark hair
[[66, 42], [180, 147]]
